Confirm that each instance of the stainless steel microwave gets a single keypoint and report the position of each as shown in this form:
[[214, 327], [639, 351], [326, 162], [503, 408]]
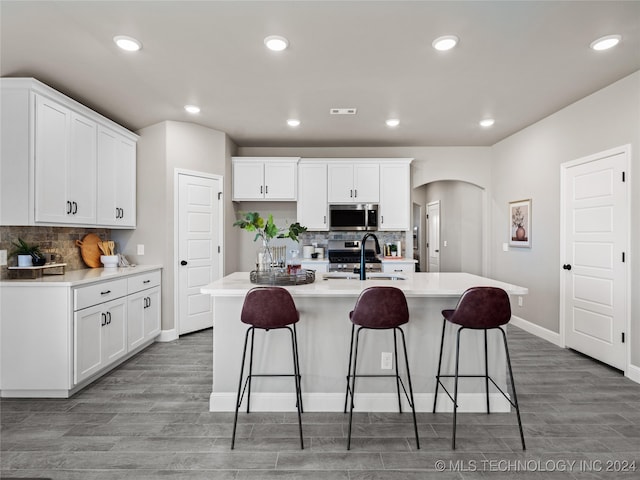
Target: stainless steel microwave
[[353, 217]]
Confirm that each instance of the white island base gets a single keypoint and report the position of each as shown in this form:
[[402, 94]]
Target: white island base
[[324, 332]]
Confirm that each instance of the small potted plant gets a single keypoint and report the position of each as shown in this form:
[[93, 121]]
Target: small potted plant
[[28, 255]]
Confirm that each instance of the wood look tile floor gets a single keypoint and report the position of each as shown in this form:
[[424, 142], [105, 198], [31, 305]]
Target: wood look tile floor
[[149, 419]]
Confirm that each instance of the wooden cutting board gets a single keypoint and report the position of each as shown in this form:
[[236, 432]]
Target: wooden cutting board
[[89, 250]]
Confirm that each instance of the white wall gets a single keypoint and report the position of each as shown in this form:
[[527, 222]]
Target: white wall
[[527, 165], [461, 224], [161, 149]]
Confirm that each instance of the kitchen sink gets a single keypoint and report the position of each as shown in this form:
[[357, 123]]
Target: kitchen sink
[[355, 276]]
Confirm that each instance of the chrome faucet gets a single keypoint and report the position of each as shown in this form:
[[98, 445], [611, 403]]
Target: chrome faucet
[[363, 243]]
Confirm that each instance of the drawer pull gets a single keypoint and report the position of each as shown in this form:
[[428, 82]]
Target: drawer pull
[[146, 281], [106, 292]]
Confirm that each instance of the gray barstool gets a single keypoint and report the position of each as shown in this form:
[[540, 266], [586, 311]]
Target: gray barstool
[[479, 308], [379, 308], [269, 308]]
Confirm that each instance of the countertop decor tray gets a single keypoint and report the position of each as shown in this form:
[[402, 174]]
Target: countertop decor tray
[[281, 277]]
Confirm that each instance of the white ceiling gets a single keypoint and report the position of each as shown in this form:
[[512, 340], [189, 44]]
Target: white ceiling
[[517, 61]]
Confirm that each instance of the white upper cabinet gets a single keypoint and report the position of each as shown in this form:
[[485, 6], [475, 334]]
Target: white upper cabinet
[[395, 196], [65, 165], [52, 163], [357, 182], [312, 195], [116, 179], [265, 178]]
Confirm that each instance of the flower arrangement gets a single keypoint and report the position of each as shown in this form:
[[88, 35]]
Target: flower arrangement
[[267, 230], [517, 217]]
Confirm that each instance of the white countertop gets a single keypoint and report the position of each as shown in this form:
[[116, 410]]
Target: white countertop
[[412, 284], [84, 276]]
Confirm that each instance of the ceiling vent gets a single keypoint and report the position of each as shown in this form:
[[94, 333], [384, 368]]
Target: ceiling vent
[[343, 111]]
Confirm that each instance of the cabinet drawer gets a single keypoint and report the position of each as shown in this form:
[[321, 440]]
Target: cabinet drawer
[[143, 281], [400, 267], [99, 293]]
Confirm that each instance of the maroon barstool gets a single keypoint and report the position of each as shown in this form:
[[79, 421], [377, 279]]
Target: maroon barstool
[[479, 308], [268, 308], [379, 308]]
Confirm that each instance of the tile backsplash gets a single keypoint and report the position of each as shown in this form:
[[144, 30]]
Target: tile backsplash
[[58, 240]]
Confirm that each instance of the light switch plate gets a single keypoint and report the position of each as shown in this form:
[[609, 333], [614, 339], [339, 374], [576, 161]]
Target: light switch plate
[[505, 247], [140, 249], [386, 362], [3, 257]]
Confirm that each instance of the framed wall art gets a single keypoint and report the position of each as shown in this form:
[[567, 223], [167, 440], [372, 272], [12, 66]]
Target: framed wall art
[[520, 230]]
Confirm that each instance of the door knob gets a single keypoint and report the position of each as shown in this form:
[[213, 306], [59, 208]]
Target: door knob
[[183, 262], [566, 266]]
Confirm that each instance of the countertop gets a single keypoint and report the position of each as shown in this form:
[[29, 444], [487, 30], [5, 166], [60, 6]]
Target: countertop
[[85, 276], [412, 284]]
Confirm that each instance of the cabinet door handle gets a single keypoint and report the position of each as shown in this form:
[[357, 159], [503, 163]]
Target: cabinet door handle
[[355, 193], [75, 208], [183, 262], [104, 319], [261, 190], [68, 207], [266, 189], [324, 219], [106, 292], [109, 316], [381, 218], [350, 193]]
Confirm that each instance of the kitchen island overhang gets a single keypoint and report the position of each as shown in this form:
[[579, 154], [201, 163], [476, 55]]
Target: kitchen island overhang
[[323, 337]]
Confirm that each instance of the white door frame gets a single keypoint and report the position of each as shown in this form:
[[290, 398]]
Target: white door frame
[[176, 234], [428, 234], [626, 150]]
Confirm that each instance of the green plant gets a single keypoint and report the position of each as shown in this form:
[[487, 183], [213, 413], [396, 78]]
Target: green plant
[[23, 248], [267, 230]]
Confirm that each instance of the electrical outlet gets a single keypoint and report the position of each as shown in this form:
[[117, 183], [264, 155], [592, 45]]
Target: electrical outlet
[[505, 247], [445, 243], [3, 257], [386, 361], [520, 301], [140, 249]]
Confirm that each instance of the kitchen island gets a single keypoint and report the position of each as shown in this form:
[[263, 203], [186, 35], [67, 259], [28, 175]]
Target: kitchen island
[[324, 332]]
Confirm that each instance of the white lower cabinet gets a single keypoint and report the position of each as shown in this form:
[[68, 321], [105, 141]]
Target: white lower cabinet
[[60, 335], [100, 337], [143, 309], [398, 266]]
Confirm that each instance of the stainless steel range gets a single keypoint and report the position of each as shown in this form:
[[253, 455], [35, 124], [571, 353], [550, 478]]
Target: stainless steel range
[[344, 256]]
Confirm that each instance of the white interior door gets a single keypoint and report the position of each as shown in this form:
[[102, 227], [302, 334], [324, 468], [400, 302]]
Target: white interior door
[[433, 236], [199, 247], [595, 212]]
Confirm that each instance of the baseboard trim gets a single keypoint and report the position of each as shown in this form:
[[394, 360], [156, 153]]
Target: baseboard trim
[[365, 402], [633, 373], [537, 330], [167, 335]]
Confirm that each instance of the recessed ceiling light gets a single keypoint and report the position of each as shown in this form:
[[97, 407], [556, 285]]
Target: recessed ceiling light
[[276, 43], [129, 44], [605, 43], [392, 122], [487, 122], [292, 122], [192, 108], [446, 42]]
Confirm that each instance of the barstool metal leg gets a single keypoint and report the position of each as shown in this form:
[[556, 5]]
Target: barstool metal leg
[[395, 350], [346, 393], [455, 391], [235, 419], [413, 405], [513, 387], [353, 388], [486, 369], [297, 368], [296, 377], [435, 396], [253, 333]]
